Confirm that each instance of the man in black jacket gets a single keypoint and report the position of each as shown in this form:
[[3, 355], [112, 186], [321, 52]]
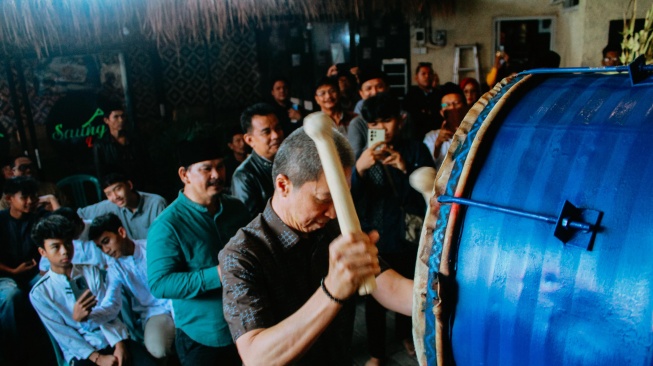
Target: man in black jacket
[[120, 151], [422, 102], [252, 180]]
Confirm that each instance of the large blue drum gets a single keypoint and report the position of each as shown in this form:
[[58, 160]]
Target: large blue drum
[[546, 258]]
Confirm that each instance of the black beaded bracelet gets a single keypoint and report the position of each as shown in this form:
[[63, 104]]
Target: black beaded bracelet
[[333, 298]]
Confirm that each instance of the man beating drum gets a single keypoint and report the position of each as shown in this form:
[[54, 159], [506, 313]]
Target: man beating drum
[[290, 275]]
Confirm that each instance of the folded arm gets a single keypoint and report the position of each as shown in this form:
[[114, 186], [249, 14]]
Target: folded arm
[[111, 301], [167, 272]]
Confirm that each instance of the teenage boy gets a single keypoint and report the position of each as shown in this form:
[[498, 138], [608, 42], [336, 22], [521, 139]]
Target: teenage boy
[[22, 166], [372, 82], [86, 252], [18, 263], [18, 257], [65, 296], [137, 210], [128, 270], [385, 202]]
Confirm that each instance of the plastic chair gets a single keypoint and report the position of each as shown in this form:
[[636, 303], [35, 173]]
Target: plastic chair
[[77, 184], [61, 361]]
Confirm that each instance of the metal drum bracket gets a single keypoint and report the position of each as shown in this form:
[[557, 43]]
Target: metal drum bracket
[[573, 226]]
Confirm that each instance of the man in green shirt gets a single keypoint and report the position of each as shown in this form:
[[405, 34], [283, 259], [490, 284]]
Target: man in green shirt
[[182, 259]]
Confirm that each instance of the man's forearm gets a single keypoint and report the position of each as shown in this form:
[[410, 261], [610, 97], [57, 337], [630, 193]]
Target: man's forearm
[[394, 292], [292, 337], [183, 285], [109, 308], [167, 271]]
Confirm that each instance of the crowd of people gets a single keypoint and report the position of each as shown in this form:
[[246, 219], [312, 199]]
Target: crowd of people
[[247, 264]]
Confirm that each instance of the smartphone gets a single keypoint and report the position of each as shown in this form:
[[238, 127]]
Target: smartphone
[[375, 135], [453, 118], [502, 53], [79, 285]]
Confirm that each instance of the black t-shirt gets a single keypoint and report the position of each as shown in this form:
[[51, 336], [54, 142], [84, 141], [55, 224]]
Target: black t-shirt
[[16, 244]]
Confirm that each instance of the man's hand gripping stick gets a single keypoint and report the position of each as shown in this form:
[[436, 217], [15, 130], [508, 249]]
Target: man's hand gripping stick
[[319, 127]]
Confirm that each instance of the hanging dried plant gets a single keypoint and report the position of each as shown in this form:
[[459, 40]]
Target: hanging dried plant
[[638, 43], [45, 25]]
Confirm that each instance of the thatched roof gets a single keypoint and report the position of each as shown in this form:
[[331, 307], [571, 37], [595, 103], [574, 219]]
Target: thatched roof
[[44, 25]]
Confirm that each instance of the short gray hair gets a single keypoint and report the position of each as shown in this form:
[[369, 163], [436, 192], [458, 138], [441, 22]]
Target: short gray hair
[[298, 159]]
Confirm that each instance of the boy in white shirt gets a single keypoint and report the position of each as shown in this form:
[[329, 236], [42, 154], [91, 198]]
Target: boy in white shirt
[[86, 252], [128, 270], [65, 296]]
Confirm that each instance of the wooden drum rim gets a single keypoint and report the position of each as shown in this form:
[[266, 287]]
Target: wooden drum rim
[[440, 224]]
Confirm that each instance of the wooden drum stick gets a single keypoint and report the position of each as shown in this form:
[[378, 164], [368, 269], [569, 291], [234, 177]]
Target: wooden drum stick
[[422, 180], [319, 127]]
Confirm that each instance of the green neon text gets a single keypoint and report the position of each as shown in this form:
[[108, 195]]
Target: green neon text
[[61, 134], [86, 130]]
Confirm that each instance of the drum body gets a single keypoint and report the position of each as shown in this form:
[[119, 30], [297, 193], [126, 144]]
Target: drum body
[[517, 294]]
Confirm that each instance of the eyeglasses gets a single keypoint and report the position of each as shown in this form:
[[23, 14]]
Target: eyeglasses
[[455, 104], [24, 167], [613, 59], [321, 93]]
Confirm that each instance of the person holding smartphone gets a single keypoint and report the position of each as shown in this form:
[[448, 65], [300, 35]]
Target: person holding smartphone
[[386, 202], [371, 81], [454, 107], [65, 296]]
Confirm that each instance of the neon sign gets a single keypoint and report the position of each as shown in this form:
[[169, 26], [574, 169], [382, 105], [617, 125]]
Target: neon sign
[[85, 130]]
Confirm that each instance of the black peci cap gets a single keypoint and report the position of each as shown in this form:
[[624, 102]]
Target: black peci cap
[[194, 151]]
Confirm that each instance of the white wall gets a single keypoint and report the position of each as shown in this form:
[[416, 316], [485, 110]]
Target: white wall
[[599, 13], [580, 33]]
